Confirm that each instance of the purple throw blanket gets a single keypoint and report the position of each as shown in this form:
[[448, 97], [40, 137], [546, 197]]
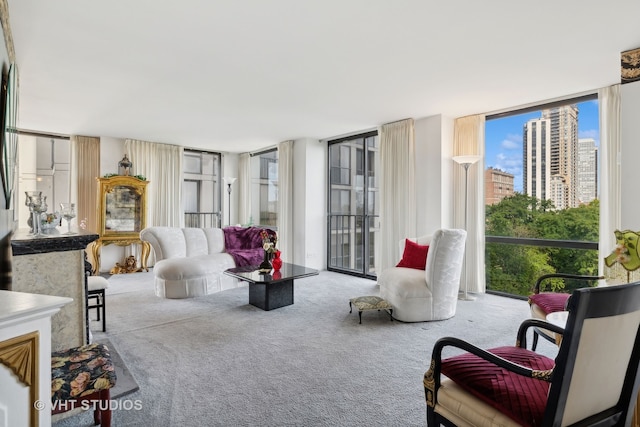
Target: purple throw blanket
[[244, 244]]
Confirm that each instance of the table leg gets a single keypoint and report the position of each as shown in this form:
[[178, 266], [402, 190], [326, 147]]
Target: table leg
[[271, 296], [146, 250]]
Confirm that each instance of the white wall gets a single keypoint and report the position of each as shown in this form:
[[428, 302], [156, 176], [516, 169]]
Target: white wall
[[111, 152], [629, 160], [434, 183], [310, 203]]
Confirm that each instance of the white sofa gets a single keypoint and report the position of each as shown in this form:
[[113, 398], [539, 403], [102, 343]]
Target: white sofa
[[432, 294], [190, 262]]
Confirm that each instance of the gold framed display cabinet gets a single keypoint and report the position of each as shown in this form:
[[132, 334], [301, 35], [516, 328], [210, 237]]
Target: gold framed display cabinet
[[122, 214]]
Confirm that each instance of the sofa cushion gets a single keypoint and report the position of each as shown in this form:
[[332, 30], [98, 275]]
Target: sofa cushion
[[404, 282], [414, 256], [167, 242], [197, 266], [196, 241]]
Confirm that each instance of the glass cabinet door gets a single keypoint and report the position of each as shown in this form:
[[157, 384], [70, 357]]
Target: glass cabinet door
[[123, 208]]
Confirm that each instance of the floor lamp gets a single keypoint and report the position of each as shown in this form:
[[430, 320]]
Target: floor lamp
[[229, 182], [465, 162]]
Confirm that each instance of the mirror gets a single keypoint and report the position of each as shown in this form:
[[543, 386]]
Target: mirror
[[9, 138], [122, 212]]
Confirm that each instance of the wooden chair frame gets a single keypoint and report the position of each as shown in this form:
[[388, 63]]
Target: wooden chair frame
[[587, 304]]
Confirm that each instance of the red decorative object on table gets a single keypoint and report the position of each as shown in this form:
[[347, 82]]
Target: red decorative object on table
[[277, 261]]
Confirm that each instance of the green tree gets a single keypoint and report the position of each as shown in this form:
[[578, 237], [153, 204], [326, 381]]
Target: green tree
[[515, 268]]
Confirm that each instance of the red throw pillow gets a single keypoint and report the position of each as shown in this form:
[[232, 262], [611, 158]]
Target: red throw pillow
[[550, 302], [414, 256]]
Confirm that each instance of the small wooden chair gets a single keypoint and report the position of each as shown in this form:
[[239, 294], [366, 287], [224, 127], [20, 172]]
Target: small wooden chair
[[82, 377], [96, 286]]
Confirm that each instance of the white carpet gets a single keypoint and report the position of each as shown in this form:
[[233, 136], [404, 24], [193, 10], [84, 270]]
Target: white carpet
[[218, 361]]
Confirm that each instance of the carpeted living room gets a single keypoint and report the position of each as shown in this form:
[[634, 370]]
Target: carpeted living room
[[364, 149], [217, 360]]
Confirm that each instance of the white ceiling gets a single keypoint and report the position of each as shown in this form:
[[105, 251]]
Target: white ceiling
[[240, 75]]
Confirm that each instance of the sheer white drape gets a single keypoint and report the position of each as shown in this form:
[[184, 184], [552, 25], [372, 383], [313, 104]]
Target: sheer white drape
[[161, 164], [610, 184], [469, 140], [244, 189], [397, 190], [85, 168], [285, 200]]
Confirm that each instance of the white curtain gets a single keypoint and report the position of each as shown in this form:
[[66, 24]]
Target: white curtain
[[397, 190], [285, 200], [610, 184], [161, 165], [244, 189], [469, 140]]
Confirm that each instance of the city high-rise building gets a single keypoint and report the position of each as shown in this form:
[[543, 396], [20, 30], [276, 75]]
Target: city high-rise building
[[587, 170], [536, 158], [497, 185], [564, 149], [550, 156]]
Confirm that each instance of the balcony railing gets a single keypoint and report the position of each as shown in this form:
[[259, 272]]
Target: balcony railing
[[513, 264], [351, 242], [202, 219]]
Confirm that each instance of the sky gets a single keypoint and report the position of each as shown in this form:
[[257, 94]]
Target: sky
[[503, 138]]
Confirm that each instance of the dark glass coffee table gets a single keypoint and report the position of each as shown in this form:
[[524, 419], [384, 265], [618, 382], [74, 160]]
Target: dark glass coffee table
[[272, 290]]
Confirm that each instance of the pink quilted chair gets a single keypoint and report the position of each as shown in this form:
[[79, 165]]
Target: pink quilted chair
[[544, 302]]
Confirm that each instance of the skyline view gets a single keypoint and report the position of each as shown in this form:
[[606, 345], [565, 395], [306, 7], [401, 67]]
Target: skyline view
[[504, 138]]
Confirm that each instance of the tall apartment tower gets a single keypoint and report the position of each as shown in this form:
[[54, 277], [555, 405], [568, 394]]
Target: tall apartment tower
[[536, 158], [564, 153], [587, 170], [497, 185], [550, 156]]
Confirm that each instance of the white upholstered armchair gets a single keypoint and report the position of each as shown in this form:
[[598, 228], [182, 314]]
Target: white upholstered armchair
[[429, 294]]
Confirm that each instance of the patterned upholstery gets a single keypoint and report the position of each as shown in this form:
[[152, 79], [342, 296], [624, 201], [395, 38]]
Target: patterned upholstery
[[81, 371], [370, 302]]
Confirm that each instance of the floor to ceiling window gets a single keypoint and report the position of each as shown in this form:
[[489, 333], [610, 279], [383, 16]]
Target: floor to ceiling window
[[264, 188], [201, 189], [541, 194], [353, 204]]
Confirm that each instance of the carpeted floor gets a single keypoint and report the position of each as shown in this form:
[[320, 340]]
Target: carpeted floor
[[218, 361]]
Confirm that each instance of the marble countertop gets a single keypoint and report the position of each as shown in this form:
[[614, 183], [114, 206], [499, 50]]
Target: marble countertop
[[22, 243]]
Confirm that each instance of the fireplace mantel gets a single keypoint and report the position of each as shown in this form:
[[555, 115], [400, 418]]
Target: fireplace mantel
[[54, 265]]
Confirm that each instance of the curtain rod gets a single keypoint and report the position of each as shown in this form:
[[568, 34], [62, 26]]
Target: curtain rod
[[397, 121], [265, 151], [543, 106], [42, 134]]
